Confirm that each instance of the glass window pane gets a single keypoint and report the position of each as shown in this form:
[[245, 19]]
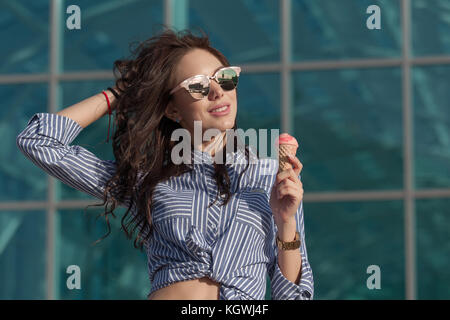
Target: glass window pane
[[268, 289], [112, 269], [349, 127], [430, 27], [93, 137], [329, 29], [345, 238], [243, 30], [22, 255], [259, 104], [23, 180], [433, 248], [24, 29], [107, 30], [432, 126]]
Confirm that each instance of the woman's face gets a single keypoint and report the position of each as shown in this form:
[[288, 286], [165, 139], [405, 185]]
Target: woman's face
[[184, 107]]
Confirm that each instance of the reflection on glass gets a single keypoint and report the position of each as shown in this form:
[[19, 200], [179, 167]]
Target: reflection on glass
[[344, 238], [24, 29], [349, 127], [244, 31], [105, 33], [112, 269], [22, 255], [431, 126], [433, 248], [334, 30], [430, 27]]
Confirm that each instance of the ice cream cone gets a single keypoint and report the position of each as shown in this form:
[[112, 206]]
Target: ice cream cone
[[287, 145], [283, 152]]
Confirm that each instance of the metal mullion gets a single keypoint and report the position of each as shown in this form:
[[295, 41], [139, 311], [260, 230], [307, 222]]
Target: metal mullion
[[168, 13], [346, 64], [309, 197], [55, 11], [249, 68], [24, 78], [408, 168], [430, 60], [285, 79]]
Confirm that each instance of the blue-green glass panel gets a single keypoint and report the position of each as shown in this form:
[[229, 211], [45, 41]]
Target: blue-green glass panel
[[344, 238], [107, 30], [268, 289], [22, 255], [337, 30], [93, 137], [433, 248], [23, 180], [111, 269], [430, 27], [349, 127], [24, 30], [431, 126], [259, 105], [243, 30]]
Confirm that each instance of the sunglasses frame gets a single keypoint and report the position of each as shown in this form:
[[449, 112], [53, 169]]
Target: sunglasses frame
[[185, 83]]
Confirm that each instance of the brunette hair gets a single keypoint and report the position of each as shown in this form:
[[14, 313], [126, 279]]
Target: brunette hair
[[141, 141]]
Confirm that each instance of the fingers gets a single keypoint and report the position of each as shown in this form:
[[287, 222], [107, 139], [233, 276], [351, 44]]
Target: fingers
[[296, 164], [297, 167], [287, 174], [288, 187], [288, 183]]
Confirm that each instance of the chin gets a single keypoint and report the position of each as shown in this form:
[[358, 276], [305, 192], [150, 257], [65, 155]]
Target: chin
[[226, 124]]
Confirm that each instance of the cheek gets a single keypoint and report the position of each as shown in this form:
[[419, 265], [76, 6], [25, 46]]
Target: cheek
[[194, 110]]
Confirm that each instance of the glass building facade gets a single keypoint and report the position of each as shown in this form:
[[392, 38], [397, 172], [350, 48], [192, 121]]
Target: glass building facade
[[369, 107]]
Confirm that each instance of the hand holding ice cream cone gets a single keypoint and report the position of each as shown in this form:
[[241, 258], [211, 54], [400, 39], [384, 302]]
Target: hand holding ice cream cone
[[286, 145], [287, 191]]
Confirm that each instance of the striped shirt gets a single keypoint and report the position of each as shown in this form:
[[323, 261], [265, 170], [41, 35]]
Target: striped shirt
[[233, 245]]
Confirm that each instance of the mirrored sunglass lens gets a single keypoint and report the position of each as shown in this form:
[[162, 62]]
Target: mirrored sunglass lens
[[200, 95], [228, 79], [199, 88]]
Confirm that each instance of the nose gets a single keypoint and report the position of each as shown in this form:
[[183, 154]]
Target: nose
[[215, 91]]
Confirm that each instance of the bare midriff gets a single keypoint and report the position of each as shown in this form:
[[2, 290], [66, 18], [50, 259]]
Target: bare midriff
[[197, 289]]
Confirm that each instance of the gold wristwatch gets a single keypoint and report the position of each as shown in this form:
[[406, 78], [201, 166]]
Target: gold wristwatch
[[292, 245]]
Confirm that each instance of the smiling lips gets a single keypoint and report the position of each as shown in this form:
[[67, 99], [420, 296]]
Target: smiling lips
[[220, 110]]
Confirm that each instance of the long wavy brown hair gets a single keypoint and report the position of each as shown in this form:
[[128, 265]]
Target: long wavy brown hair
[[141, 140]]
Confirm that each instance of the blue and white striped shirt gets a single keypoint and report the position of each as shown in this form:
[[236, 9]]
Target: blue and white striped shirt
[[233, 245]]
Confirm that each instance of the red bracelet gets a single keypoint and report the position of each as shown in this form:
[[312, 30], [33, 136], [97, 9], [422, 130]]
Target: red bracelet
[[109, 112]]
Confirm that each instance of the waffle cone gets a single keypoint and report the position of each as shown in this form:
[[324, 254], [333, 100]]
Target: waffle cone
[[283, 151]]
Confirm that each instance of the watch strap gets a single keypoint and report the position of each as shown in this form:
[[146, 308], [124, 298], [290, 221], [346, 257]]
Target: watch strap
[[289, 245]]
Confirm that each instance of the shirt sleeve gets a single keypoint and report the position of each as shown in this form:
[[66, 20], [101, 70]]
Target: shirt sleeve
[[282, 288], [46, 142]]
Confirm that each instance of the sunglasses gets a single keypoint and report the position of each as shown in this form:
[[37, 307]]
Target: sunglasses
[[198, 86]]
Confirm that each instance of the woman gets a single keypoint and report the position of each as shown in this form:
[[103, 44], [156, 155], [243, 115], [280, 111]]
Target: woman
[[197, 247]]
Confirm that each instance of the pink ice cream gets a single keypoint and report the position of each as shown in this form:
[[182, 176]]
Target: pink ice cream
[[285, 138]]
